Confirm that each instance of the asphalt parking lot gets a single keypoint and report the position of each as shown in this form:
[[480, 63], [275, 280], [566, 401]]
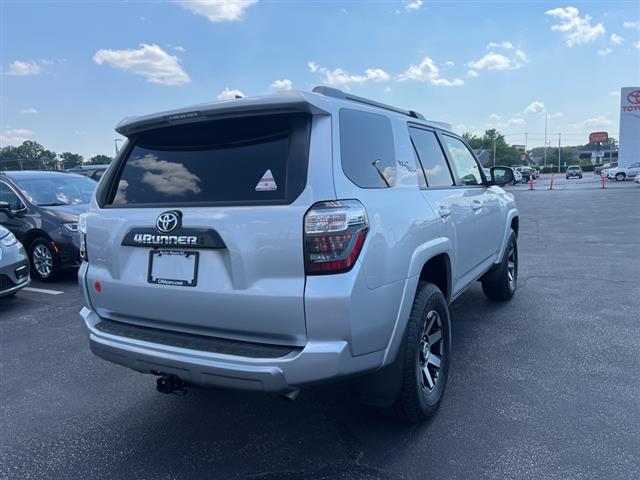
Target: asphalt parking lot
[[546, 386]]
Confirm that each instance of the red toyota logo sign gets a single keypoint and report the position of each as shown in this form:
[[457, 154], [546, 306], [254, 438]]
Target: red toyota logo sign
[[634, 97]]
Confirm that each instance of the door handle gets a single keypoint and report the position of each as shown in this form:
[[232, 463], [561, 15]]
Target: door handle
[[476, 204], [444, 212]]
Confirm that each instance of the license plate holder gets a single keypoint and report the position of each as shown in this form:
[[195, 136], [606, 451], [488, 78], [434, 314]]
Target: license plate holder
[[173, 267]]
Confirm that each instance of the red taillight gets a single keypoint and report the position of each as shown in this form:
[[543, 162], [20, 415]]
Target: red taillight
[[334, 233]]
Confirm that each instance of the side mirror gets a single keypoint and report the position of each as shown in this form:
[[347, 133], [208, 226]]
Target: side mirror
[[501, 176], [5, 210]]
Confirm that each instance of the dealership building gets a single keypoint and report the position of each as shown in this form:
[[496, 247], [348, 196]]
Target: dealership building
[[629, 149]]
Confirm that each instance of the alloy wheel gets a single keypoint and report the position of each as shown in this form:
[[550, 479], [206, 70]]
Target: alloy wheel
[[431, 350], [42, 260], [511, 268]]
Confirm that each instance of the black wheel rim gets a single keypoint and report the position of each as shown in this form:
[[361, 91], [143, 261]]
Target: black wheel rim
[[431, 351]]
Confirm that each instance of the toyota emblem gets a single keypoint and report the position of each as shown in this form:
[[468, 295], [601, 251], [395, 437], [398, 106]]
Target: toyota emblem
[[634, 97], [168, 221]]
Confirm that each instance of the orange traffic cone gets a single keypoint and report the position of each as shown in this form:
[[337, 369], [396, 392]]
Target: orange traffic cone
[[603, 180], [531, 182], [551, 184]]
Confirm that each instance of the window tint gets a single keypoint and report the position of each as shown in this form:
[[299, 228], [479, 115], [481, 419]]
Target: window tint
[[432, 159], [463, 161], [366, 149], [250, 160], [9, 196]]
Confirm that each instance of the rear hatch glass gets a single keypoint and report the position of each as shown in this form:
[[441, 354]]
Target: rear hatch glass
[[235, 161]]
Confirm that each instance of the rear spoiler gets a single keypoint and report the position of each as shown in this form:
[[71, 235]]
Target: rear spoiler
[[280, 103]]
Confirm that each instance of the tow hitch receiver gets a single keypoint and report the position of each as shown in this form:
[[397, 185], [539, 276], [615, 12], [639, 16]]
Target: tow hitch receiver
[[171, 384]]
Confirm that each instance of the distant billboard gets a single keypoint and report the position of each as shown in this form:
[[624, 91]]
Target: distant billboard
[[598, 137], [629, 126]]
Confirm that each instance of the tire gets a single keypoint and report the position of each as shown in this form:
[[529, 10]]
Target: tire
[[500, 284], [620, 176], [421, 393], [44, 260]]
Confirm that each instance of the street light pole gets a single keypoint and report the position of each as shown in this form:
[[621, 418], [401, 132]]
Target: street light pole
[[546, 116], [559, 151]]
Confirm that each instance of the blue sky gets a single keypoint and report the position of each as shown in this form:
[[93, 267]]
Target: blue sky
[[72, 70]]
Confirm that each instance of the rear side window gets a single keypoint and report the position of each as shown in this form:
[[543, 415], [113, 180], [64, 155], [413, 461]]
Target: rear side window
[[366, 149], [248, 160], [432, 159], [463, 161]]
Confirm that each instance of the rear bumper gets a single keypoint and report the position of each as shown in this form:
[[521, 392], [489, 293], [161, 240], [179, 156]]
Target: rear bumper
[[316, 362]]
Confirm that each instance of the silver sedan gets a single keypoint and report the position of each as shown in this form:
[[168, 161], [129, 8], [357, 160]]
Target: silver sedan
[[14, 264]]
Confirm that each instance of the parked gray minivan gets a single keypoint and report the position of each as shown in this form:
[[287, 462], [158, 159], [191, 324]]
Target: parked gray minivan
[[277, 242]]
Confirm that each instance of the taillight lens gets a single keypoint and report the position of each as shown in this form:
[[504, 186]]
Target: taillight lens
[[334, 233], [82, 229]]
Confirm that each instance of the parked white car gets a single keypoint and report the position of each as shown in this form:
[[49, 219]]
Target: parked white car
[[623, 173], [637, 178]]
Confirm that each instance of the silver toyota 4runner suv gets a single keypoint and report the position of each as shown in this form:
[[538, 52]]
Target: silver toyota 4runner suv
[[278, 242]]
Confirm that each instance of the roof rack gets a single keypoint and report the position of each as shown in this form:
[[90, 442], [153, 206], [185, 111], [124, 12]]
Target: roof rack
[[335, 93]]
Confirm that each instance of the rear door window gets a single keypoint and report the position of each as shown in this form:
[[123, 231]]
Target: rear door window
[[366, 149], [248, 160], [463, 160], [432, 159]]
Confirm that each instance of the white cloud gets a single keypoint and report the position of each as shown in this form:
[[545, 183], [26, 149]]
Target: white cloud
[[472, 74], [387, 89], [180, 49], [498, 61], [631, 24], [616, 39], [22, 69], [521, 56], [427, 71], [449, 63], [29, 111], [576, 29], [344, 78], [513, 121], [615, 93], [604, 51], [14, 136], [218, 10], [637, 45], [148, 61], [228, 94], [600, 121], [505, 44], [284, 84], [535, 107], [556, 115], [413, 5]]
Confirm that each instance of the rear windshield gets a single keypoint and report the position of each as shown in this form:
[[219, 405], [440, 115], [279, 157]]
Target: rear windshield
[[248, 160]]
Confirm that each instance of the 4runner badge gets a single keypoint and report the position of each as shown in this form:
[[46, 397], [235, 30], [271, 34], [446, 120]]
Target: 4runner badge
[[168, 221]]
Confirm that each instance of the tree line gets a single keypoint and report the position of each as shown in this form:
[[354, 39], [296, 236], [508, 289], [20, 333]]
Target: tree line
[[33, 156]]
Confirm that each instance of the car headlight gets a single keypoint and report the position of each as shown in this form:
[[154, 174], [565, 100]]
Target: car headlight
[[9, 240], [72, 227]]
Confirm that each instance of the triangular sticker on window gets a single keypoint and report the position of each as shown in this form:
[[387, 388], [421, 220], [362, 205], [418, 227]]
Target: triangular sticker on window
[[266, 183]]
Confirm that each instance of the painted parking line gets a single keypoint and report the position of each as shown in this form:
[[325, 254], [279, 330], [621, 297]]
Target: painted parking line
[[43, 290]]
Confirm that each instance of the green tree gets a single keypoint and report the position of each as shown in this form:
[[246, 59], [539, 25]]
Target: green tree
[[70, 160], [100, 160], [505, 154], [9, 158]]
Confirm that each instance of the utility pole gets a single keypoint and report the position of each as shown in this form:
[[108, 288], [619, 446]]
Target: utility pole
[[525, 144], [546, 116], [559, 151]]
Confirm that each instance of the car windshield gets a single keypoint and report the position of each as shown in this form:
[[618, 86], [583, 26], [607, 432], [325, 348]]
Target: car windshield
[[58, 190]]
